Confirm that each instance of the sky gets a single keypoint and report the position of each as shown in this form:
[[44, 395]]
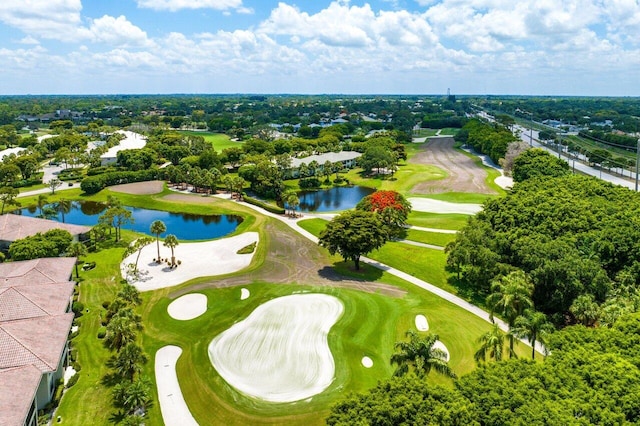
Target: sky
[[500, 47]]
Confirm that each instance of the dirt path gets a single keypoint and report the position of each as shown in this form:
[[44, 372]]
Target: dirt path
[[463, 174], [291, 258]]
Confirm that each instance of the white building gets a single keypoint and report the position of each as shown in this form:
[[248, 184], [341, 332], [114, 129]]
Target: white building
[[131, 140]]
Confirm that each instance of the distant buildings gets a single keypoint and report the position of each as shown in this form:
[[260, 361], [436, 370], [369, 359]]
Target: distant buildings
[[35, 321], [346, 158], [132, 140]]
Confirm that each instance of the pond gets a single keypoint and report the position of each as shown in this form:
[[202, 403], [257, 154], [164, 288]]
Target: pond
[[336, 198], [184, 226]]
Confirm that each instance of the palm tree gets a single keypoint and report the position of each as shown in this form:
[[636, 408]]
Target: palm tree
[[585, 310], [132, 396], [420, 354], [77, 250], [41, 203], [158, 227], [510, 296], [171, 241], [129, 294], [128, 362], [492, 345], [120, 331], [63, 206], [137, 246], [534, 327]]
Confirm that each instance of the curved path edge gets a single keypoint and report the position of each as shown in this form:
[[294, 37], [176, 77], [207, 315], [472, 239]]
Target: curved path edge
[[475, 310], [173, 407]]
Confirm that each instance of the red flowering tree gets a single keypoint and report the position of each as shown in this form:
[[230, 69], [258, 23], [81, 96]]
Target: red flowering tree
[[390, 206]]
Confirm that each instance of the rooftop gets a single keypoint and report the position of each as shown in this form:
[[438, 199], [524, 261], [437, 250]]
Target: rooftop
[[14, 227], [15, 406], [332, 157], [47, 270]]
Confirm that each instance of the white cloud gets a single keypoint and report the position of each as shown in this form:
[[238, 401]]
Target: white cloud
[[29, 40], [174, 5], [116, 32], [51, 19]]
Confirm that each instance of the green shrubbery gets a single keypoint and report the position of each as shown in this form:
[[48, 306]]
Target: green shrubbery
[[94, 184]]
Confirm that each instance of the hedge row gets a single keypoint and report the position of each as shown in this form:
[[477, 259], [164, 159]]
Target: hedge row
[[93, 184], [268, 207]]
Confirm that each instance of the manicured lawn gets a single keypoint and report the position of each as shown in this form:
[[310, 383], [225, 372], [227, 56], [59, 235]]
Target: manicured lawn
[[438, 220], [435, 238], [459, 197], [407, 176], [219, 141]]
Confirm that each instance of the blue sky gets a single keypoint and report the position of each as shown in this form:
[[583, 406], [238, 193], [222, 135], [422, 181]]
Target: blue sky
[[529, 47]]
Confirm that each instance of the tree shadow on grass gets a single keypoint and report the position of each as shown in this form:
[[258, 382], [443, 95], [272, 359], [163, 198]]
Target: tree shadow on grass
[[342, 271], [467, 291]]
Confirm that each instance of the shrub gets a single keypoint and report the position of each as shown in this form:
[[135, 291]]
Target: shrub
[[73, 380], [78, 308], [268, 207], [102, 331], [309, 182]]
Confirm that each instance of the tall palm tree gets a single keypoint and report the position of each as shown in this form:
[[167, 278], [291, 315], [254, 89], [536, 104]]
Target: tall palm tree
[[129, 294], [120, 331], [158, 227], [510, 296], [492, 345], [41, 203], [171, 241], [63, 206], [420, 354], [132, 396], [128, 362], [585, 310], [77, 250], [532, 326]]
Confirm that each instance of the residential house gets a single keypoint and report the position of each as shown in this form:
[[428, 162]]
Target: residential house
[[15, 227]]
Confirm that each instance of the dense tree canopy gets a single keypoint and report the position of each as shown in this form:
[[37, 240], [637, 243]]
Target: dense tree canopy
[[572, 235], [353, 234], [538, 162]]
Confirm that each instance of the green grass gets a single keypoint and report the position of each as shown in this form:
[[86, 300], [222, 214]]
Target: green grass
[[219, 141], [435, 238], [452, 221], [407, 176], [458, 197]]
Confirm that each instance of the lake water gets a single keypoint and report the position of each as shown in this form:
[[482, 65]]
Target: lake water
[[336, 198], [184, 226]]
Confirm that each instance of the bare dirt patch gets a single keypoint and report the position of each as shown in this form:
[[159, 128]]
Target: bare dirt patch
[[139, 188], [293, 259], [464, 175]]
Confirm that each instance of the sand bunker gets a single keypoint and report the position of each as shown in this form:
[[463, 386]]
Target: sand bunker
[[244, 294], [280, 353], [172, 405], [188, 307], [367, 362], [439, 345], [421, 323], [204, 259], [436, 206]]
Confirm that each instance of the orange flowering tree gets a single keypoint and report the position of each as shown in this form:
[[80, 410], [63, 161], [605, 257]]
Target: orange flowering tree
[[390, 206]]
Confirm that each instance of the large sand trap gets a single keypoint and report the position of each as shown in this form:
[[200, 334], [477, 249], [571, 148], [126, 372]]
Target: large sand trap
[[280, 353], [188, 307], [439, 345], [436, 206], [204, 259], [174, 409], [421, 323]]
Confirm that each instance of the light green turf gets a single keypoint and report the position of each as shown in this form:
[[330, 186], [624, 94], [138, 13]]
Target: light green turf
[[435, 238], [219, 141], [438, 220]]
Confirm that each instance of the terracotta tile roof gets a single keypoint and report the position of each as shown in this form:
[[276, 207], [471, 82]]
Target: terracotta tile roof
[[14, 227], [38, 341], [34, 300], [37, 271], [15, 405]]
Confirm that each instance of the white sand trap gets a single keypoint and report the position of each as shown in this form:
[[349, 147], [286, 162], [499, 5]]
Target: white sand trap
[[421, 323], [188, 307], [439, 345], [367, 362], [172, 405], [204, 259], [280, 353], [504, 182], [436, 206], [244, 294]]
